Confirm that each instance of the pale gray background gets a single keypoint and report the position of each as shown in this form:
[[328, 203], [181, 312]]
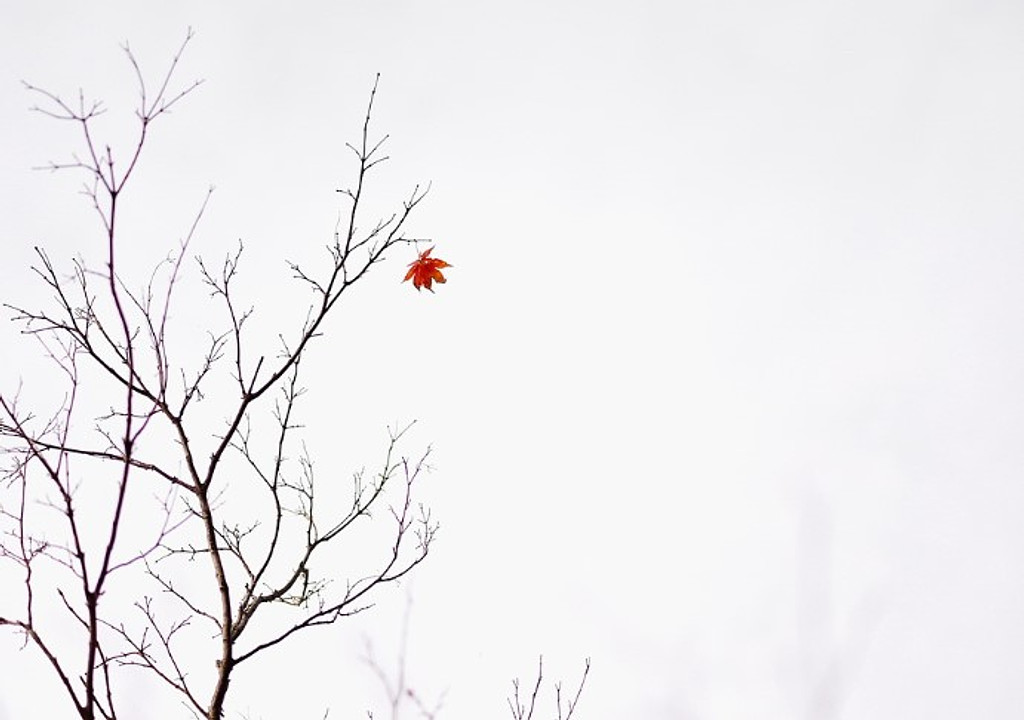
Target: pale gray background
[[726, 385]]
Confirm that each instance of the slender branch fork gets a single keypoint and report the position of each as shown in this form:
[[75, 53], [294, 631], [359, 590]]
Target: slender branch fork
[[106, 334], [521, 711]]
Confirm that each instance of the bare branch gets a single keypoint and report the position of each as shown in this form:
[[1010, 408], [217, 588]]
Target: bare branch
[[517, 702]]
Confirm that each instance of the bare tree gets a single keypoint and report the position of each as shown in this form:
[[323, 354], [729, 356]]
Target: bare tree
[[565, 705], [79, 524]]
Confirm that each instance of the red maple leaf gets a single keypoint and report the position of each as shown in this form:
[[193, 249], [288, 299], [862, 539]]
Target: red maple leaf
[[425, 270]]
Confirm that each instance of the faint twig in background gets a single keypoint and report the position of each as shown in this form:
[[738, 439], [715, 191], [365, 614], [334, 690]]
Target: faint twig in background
[[398, 691], [832, 670]]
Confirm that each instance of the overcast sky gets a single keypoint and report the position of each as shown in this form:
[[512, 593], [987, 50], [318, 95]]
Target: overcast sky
[[725, 387]]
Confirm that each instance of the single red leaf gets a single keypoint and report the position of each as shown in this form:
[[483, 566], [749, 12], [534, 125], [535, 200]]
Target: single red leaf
[[425, 270]]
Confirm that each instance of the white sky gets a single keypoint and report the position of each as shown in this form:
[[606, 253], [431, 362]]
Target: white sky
[[726, 383]]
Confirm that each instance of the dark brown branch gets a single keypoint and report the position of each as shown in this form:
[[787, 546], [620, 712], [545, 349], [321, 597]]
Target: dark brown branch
[[519, 709]]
